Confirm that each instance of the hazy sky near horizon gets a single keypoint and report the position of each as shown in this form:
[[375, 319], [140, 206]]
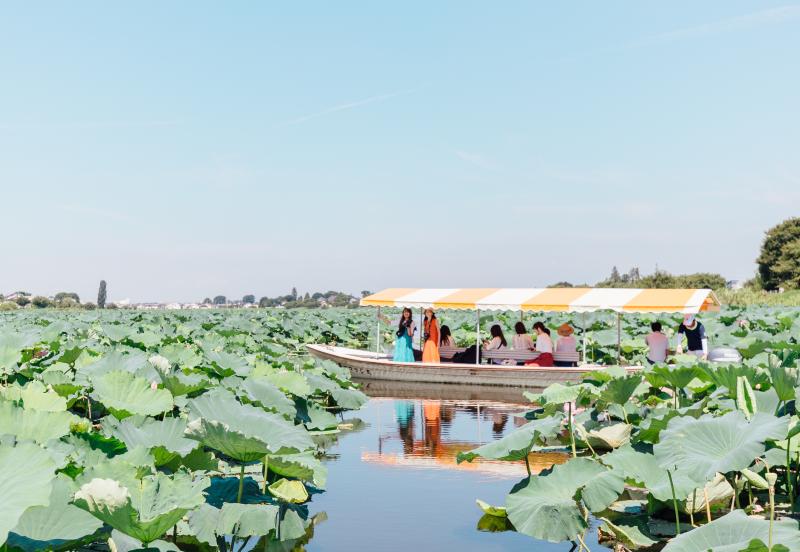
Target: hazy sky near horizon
[[185, 149]]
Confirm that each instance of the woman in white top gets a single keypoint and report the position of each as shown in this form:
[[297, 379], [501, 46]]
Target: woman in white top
[[544, 345], [521, 341], [497, 343], [565, 343]]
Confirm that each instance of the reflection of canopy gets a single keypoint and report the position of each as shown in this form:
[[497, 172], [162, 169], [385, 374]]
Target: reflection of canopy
[[549, 299]]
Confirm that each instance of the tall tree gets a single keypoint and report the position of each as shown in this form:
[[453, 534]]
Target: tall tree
[[101, 295], [220, 300], [294, 294], [779, 261], [615, 277], [249, 299]]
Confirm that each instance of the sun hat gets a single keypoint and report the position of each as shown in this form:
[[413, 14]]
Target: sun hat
[[564, 330]]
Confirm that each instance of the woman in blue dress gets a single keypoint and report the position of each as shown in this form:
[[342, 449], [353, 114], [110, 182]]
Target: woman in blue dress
[[403, 349]]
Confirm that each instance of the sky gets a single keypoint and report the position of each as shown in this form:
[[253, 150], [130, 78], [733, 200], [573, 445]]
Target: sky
[[186, 149]]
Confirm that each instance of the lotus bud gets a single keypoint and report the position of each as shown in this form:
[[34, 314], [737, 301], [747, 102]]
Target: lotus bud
[[160, 363], [153, 385]]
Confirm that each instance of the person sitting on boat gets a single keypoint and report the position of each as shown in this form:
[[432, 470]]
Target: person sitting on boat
[[521, 340], [430, 335], [565, 343], [497, 343], [403, 347], [657, 344], [445, 337], [544, 345], [696, 340]]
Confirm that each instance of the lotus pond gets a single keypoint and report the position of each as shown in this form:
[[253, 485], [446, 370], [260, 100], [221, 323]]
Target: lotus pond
[[212, 430]]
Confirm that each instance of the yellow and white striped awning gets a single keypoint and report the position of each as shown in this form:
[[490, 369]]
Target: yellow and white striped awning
[[549, 299]]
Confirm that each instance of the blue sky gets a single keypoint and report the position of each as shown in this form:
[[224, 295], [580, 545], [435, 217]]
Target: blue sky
[[185, 149]]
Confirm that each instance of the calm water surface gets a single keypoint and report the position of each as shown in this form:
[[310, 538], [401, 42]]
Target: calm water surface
[[395, 484]]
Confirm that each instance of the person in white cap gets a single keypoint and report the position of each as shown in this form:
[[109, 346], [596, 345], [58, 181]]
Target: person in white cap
[[696, 340]]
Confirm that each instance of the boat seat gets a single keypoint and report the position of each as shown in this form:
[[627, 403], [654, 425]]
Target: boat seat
[[523, 356], [448, 352]]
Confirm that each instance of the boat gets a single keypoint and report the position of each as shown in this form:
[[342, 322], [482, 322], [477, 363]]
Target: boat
[[366, 365], [374, 365]]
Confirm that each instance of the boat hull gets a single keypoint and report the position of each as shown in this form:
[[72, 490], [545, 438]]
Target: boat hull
[[369, 366]]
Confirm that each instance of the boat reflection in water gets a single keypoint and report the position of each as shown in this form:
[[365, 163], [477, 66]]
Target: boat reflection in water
[[429, 433]]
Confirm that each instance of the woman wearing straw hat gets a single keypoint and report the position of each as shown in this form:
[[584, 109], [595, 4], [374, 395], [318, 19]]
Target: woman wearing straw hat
[[565, 343]]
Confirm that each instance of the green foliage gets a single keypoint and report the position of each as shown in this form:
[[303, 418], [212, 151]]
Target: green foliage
[[101, 295], [779, 261]]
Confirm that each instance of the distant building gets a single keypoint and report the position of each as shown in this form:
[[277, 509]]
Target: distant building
[[734, 284]]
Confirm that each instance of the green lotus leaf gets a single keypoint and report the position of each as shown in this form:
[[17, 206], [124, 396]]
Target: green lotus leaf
[[291, 491], [11, 346], [124, 543], [757, 545], [289, 382], [677, 376], [784, 381], [727, 375], [144, 511], [734, 532], [56, 524], [183, 355], [644, 469], [558, 393], [303, 466], [118, 360], [620, 390], [202, 523], [117, 332], [180, 384], [723, 444], [37, 425], [125, 394], [35, 396], [517, 444], [545, 507], [243, 432], [246, 520], [489, 510], [633, 534], [718, 491], [165, 438], [227, 364], [606, 437], [23, 488], [262, 391]]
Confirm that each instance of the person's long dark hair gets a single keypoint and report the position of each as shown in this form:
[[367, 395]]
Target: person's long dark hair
[[542, 327], [444, 333], [401, 326], [519, 327], [497, 331]]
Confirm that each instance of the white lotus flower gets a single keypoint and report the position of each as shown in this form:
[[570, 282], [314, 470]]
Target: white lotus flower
[[103, 493], [160, 363]]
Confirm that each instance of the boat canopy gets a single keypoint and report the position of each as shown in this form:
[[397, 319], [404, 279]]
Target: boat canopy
[[549, 299]]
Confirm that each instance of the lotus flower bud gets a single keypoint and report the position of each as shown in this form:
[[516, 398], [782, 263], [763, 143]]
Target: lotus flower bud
[[771, 478]]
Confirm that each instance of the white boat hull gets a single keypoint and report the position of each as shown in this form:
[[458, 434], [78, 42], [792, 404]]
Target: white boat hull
[[369, 366]]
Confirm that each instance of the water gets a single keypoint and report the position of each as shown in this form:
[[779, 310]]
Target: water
[[395, 485]]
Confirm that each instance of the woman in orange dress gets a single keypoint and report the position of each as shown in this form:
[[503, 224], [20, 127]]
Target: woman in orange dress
[[430, 351]]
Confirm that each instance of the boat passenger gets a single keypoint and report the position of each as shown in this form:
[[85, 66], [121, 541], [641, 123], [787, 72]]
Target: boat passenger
[[544, 345], [497, 343], [696, 340], [430, 336], [403, 348], [521, 341], [445, 337], [657, 344], [565, 343]]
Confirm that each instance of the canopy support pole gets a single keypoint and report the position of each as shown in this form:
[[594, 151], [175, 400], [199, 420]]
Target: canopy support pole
[[619, 338], [478, 337], [421, 328], [378, 333], [583, 323]]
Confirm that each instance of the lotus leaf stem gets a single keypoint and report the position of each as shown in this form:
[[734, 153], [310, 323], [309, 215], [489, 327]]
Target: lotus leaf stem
[[691, 510], [571, 430], [789, 488], [241, 485], [583, 543], [771, 514], [527, 465], [708, 505], [674, 504]]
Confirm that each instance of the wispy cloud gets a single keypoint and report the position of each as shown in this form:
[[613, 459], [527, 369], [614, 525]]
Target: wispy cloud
[[345, 106], [88, 124], [476, 159], [737, 23], [84, 210]]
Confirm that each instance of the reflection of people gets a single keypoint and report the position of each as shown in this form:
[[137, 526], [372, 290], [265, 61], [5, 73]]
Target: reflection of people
[[544, 345], [433, 424], [657, 344], [499, 420], [430, 351], [696, 340], [404, 412], [403, 349]]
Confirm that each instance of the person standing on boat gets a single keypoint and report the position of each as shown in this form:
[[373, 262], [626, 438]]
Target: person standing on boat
[[403, 347], [544, 345], [430, 350], [696, 340]]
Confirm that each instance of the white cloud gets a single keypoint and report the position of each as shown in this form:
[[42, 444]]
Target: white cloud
[[475, 159], [737, 23], [345, 106]]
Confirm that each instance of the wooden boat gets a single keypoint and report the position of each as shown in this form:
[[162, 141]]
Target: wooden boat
[[368, 365]]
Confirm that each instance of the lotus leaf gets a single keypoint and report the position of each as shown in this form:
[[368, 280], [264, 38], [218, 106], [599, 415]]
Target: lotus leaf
[[302, 466], [262, 391], [293, 492], [733, 532], [23, 488], [643, 468], [35, 396], [631, 534], [489, 510], [165, 438], [517, 444], [125, 394], [36, 425]]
